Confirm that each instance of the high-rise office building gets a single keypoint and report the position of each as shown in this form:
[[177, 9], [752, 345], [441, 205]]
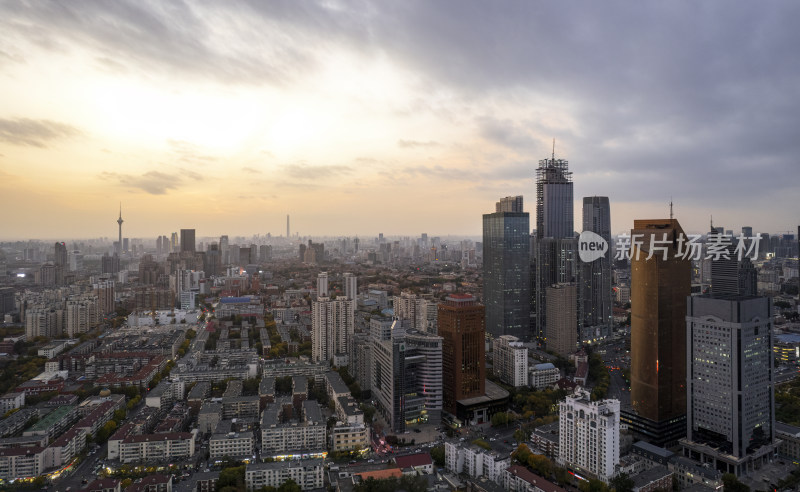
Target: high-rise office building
[[555, 258], [462, 326], [731, 276], [595, 279], [332, 326], [407, 378], [506, 269], [588, 438], [554, 207], [187, 240], [731, 401], [562, 322], [660, 284]]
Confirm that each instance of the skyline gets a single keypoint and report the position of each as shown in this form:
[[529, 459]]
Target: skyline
[[359, 118]]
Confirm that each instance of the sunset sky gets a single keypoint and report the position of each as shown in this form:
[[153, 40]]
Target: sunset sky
[[399, 117]]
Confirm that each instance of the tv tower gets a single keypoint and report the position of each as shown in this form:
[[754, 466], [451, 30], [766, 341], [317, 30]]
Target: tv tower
[[119, 221]]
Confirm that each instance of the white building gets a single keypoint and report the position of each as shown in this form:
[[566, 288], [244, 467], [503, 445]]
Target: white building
[[543, 375], [475, 461], [308, 474], [510, 360], [10, 401], [333, 325], [589, 435]]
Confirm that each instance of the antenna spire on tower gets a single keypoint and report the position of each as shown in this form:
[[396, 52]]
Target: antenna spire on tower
[[554, 150], [670, 208]]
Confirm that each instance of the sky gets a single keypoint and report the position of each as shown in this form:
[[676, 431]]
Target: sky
[[359, 117]]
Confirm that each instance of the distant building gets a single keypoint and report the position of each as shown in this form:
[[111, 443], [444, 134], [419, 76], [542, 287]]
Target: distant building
[[542, 376], [333, 326], [308, 474], [187, 241]]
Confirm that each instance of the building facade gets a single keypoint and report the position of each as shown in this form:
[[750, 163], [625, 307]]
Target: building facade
[[461, 326], [588, 437], [506, 269]]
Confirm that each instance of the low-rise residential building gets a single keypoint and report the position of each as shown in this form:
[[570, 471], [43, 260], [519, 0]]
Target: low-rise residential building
[[474, 461], [151, 483], [283, 437], [54, 423], [143, 447], [789, 435], [209, 416], [241, 407], [63, 449], [349, 437], [519, 479], [225, 442], [10, 401], [417, 463], [656, 478], [541, 376], [545, 439], [308, 474], [21, 462], [690, 473]]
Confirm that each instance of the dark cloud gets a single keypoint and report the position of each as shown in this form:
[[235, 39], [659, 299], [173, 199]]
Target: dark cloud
[[304, 171], [153, 182], [34, 133], [414, 144], [645, 99]]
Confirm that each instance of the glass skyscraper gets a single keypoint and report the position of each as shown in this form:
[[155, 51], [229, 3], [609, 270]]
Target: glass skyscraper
[[506, 269], [596, 275]]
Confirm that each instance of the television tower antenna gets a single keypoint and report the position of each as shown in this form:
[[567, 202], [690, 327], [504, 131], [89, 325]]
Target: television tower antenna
[[554, 150], [670, 208]]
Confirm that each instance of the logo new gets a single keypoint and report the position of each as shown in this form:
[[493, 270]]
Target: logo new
[[591, 246]]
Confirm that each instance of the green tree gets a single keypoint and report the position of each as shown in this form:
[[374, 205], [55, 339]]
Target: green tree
[[437, 454], [622, 483], [289, 486], [732, 484]]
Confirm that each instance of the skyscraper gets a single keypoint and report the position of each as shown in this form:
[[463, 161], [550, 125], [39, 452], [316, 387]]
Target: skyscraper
[[461, 325], [554, 208], [187, 240], [351, 286], [562, 337], [555, 255], [506, 269], [731, 399], [596, 275], [659, 288], [332, 326]]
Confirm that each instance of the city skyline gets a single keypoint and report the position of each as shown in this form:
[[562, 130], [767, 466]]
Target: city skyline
[[225, 118]]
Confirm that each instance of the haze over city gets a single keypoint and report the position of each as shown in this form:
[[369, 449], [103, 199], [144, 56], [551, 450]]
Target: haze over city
[[361, 117]]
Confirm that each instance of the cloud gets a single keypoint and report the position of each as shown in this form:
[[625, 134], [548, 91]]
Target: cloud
[[189, 153], [305, 172], [34, 133], [251, 170], [152, 182], [414, 144]]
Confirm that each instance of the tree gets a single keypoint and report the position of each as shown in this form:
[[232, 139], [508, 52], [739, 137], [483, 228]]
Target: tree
[[289, 486], [732, 484], [437, 454], [622, 483]]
